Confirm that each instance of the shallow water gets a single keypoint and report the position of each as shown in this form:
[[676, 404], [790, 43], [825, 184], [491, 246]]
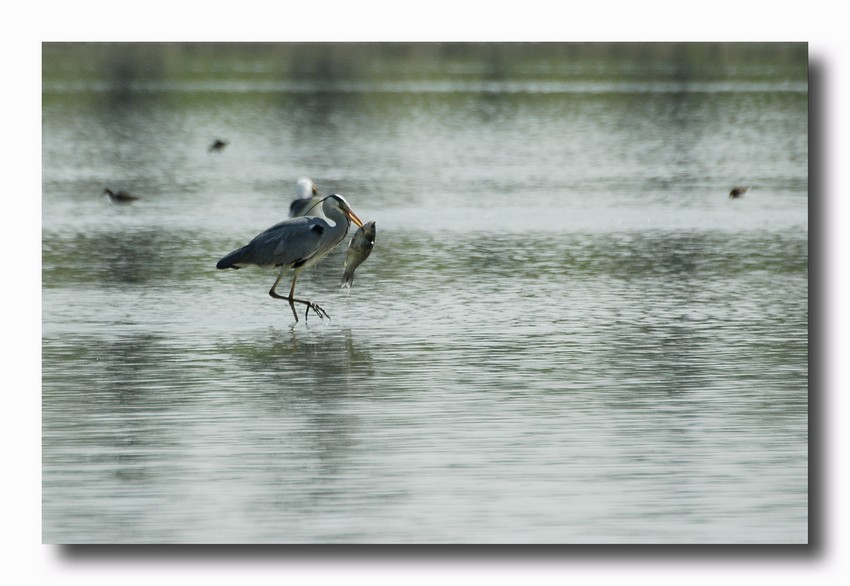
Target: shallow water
[[566, 332]]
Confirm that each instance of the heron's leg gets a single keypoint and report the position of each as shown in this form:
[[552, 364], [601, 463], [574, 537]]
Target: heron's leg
[[310, 305], [274, 294], [292, 300], [276, 281]]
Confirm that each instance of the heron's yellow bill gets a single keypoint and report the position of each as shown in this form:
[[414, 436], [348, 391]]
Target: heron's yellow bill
[[353, 217]]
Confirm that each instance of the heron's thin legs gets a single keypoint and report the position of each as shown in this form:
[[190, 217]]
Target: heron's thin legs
[[292, 300], [279, 277]]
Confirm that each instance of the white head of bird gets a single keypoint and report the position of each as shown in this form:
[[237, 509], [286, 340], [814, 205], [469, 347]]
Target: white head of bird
[[307, 196], [305, 188]]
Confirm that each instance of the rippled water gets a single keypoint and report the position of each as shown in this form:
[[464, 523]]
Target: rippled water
[[566, 333]]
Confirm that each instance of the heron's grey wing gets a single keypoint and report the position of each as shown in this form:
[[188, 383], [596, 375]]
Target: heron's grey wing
[[289, 242]]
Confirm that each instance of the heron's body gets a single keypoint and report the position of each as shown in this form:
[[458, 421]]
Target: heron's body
[[296, 243], [307, 199]]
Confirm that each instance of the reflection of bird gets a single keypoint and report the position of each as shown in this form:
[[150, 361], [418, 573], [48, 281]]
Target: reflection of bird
[[739, 191], [296, 243], [119, 196], [218, 146], [307, 199]]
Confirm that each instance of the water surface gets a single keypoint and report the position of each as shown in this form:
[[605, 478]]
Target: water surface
[[566, 333]]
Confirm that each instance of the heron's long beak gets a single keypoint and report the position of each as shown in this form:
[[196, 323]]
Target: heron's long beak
[[353, 217]]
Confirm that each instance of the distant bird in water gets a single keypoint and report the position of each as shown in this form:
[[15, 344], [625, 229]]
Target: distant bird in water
[[119, 197], [307, 199], [739, 191], [296, 243], [218, 146]]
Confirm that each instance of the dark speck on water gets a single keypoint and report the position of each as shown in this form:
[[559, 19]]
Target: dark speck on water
[[217, 146]]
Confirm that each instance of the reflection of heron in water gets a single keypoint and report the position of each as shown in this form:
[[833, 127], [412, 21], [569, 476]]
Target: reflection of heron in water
[[307, 196], [120, 197], [739, 191], [296, 243]]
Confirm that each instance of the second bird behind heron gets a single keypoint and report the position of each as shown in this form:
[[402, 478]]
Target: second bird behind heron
[[307, 198]]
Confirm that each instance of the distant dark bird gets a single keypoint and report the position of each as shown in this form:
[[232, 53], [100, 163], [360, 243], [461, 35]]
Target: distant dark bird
[[307, 199], [739, 191], [296, 243], [218, 146], [119, 197]]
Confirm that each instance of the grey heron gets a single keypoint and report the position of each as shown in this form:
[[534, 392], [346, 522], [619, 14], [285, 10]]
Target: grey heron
[[296, 243], [739, 191], [307, 197], [119, 196]]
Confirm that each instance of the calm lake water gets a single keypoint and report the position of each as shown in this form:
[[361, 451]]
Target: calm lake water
[[566, 332]]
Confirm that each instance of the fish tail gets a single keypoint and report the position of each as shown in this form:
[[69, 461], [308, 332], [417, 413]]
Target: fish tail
[[347, 279]]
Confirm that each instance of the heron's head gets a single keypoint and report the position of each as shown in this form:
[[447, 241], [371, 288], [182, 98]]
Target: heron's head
[[305, 188], [337, 201]]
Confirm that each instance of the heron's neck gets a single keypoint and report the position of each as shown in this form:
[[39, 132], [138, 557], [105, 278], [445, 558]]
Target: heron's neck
[[341, 223]]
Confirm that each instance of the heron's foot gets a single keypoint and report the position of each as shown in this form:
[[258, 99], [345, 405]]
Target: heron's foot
[[317, 310]]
